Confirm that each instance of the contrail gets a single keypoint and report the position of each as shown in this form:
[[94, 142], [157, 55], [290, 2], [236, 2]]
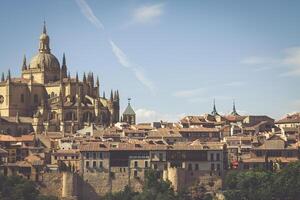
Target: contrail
[[124, 61], [89, 14], [121, 57]]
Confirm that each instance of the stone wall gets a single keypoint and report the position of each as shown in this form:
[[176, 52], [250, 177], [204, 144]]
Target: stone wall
[[93, 185], [51, 184]]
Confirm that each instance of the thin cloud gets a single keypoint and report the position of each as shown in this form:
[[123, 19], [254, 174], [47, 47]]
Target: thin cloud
[[117, 51], [148, 13], [124, 61], [200, 94], [89, 14], [288, 62]]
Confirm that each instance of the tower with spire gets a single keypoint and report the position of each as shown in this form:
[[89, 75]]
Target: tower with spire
[[214, 111], [129, 115], [234, 112]]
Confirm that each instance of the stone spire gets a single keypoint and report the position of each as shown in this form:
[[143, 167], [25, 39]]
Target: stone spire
[[77, 79], [111, 95], [84, 78], [234, 112], [115, 95], [103, 94], [214, 112], [24, 66], [118, 97], [64, 66], [97, 82], [8, 77], [2, 77]]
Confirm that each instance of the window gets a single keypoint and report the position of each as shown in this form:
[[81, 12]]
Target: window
[[36, 99], [22, 98], [55, 157], [212, 166], [100, 155], [146, 164], [246, 166], [259, 153], [197, 167], [135, 163], [72, 157], [160, 156], [87, 164], [190, 167], [87, 155], [218, 167], [94, 164], [155, 166], [76, 157], [218, 156], [211, 156], [66, 157], [101, 164], [152, 155], [135, 173], [94, 155]]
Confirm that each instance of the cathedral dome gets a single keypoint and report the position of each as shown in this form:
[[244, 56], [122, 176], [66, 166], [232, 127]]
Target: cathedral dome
[[44, 60]]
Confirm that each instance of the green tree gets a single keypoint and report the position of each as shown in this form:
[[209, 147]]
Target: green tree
[[286, 185], [18, 188]]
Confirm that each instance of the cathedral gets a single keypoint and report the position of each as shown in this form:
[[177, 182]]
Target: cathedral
[[51, 99]]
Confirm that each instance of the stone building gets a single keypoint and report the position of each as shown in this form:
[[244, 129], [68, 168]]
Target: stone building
[[53, 99]]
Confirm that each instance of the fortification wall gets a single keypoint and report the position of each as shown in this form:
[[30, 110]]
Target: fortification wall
[[181, 178], [51, 184]]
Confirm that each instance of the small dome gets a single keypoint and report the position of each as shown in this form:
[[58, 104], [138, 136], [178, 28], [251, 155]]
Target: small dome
[[46, 60], [44, 36]]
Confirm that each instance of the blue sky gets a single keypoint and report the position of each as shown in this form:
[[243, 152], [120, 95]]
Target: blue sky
[[171, 57]]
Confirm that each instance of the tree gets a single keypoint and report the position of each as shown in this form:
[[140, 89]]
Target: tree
[[264, 185], [286, 185], [18, 188]]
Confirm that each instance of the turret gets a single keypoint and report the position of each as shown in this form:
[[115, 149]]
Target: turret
[[64, 66], [129, 114]]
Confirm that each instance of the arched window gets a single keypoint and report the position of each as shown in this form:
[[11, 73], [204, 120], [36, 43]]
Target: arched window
[[52, 94], [36, 99]]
